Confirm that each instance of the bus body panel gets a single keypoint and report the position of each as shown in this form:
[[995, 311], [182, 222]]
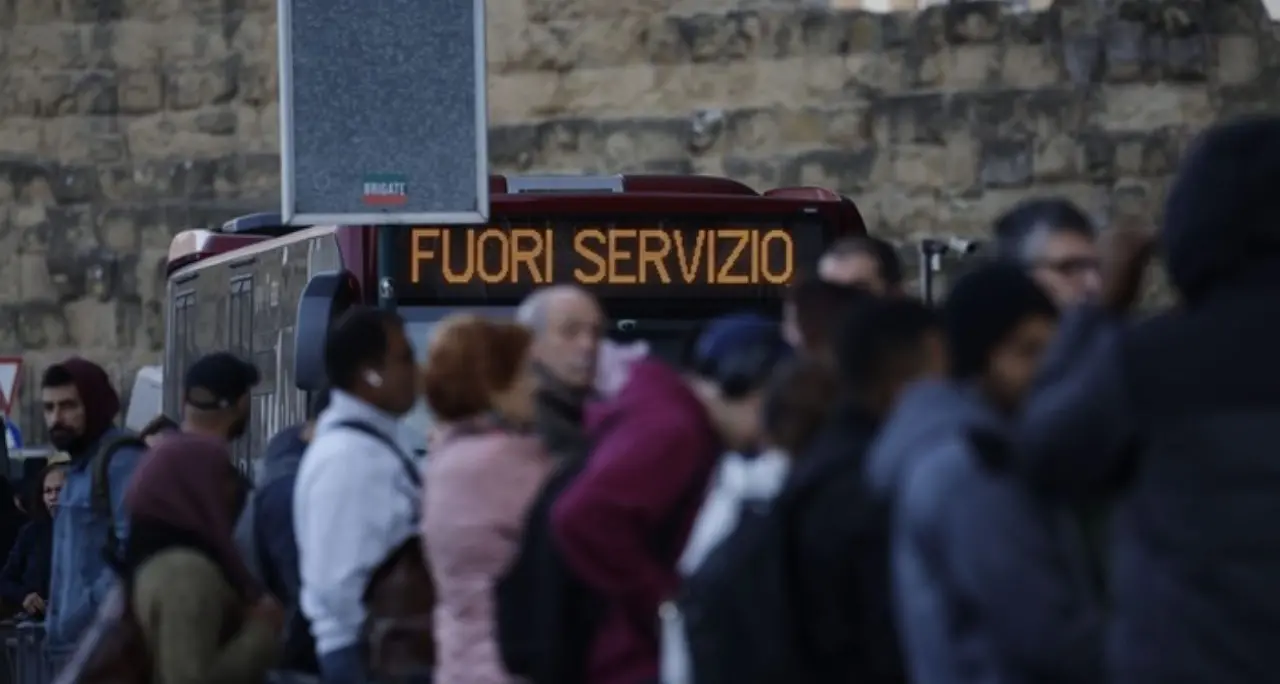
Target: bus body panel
[[245, 301]]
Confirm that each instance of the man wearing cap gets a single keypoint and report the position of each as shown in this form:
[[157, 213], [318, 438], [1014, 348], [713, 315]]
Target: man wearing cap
[[216, 396], [645, 481], [80, 406]]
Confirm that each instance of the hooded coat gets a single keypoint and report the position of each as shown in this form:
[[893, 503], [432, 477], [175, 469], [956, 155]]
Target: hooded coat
[[1177, 414], [80, 576], [188, 584], [991, 583]]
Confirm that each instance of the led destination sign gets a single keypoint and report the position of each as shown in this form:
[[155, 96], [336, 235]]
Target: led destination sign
[[614, 260]]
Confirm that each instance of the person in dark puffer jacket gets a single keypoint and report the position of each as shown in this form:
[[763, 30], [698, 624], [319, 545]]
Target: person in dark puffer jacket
[[1177, 413]]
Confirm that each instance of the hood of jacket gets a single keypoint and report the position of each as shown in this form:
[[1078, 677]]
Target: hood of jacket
[[929, 413], [1219, 219]]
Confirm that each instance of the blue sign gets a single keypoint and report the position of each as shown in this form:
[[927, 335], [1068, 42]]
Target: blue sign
[[12, 435]]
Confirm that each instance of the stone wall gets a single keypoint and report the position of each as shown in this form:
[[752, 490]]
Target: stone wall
[[127, 120]]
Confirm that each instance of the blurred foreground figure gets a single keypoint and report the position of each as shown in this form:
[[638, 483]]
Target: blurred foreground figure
[[566, 324], [202, 615], [624, 520], [480, 480], [1177, 414], [990, 581], [356, 503], [1056, 243]]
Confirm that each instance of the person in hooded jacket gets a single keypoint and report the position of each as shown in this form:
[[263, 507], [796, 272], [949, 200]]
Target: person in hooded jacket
[[840, 531], [24, 580], [1177, 413], [202, 616], [80, 406], [991, 582]]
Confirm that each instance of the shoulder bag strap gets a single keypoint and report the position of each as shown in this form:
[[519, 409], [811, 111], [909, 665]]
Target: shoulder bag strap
[[409, 466]]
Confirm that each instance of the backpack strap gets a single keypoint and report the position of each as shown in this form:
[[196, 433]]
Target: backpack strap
[[100, 483], [410, 467]]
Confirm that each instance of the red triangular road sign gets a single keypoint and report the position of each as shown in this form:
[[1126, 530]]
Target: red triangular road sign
[[10, 381]]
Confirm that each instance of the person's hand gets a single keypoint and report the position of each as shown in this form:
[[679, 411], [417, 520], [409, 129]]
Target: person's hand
[[33, 604], [269, 612], [1126, 252]]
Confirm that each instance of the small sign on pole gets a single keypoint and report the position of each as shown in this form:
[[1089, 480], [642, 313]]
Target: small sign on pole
[[10, 382], [383, 114]]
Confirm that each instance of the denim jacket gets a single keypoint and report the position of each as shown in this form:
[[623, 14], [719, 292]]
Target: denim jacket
[[81, 576]]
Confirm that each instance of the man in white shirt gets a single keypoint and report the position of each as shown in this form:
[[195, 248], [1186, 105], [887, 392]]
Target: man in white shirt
[[355, 501]]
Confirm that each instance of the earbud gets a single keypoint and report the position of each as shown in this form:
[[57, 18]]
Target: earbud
[[373, 379]]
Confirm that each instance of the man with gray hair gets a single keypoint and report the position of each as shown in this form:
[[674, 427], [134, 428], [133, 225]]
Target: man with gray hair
[[1057, 244], [567, 323]]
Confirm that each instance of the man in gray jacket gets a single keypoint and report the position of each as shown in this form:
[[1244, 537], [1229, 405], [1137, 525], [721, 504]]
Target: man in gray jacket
[[1178, 414], [991, 582]]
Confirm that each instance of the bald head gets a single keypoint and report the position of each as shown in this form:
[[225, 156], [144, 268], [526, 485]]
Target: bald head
[[567, 324]]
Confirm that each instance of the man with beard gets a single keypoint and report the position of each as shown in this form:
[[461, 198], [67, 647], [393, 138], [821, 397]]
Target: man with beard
[[79, 406], [216, 396], [567, 324]]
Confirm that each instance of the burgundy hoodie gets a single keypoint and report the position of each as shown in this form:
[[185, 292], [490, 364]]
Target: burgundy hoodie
[[624, 521]]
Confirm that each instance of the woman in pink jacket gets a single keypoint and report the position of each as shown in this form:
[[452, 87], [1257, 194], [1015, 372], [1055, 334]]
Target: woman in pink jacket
[[482, 475]]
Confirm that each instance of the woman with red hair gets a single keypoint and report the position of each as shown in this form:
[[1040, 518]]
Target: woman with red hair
[[482, 474]]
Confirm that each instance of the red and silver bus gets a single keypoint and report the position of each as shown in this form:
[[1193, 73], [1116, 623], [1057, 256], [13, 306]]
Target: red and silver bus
[[661, 252]]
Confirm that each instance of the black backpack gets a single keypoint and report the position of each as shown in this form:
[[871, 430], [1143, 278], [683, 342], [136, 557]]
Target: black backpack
[[545, 616], [100, 486], [739, 618]]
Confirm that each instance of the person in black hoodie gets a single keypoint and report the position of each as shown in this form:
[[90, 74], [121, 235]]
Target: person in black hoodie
[[1178, 413], [840, 530], [24, 580]]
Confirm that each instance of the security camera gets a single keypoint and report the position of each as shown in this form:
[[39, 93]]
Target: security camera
[[963, 246]]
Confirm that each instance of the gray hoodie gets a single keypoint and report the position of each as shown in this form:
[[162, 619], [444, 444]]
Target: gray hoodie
[[990, 583]]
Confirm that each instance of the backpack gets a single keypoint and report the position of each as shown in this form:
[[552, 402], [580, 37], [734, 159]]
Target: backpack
[[738, 615], [398, 637], [299, 647], [100, 485], [545, 617]]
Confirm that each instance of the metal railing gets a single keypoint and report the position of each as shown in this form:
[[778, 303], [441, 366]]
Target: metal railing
[[25, 661]]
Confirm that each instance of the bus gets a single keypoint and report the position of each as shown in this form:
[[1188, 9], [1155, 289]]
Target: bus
[[662, 252]]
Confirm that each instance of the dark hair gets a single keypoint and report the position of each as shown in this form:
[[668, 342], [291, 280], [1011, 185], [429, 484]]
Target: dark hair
[[1015, 228], [885, 254], [319, 401], [983, 307], [820, 306], [57, 376], [797, 401], [470, 359], [876, 336], [158, 425], [358, 340]]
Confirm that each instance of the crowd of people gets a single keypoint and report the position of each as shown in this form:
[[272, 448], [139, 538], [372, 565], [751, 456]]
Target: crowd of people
[[1025, 484]]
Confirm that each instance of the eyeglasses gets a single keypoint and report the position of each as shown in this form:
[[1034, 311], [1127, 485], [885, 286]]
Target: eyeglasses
[[1071, 266]]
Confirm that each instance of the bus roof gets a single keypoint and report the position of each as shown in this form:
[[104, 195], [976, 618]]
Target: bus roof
[[518, 194]]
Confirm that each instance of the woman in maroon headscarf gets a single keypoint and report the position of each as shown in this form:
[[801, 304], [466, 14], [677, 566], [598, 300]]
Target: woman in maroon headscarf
[[203, 616]]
